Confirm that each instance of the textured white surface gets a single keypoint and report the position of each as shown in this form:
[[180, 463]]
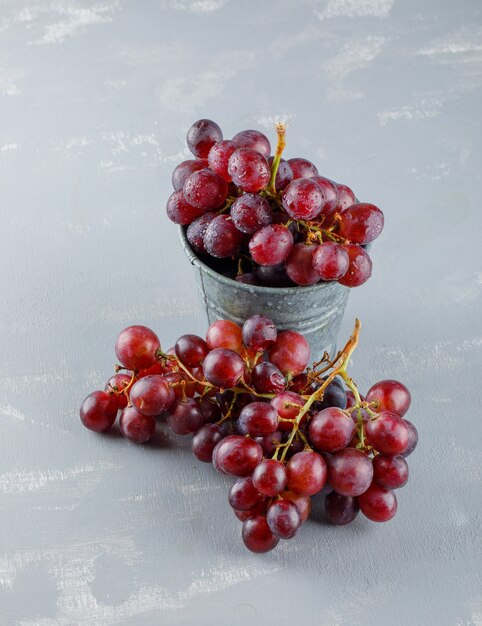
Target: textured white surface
[[95, 100]]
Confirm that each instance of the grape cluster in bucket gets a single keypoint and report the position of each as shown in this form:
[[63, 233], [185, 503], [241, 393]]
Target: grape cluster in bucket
[[262, 220], [254, 407]]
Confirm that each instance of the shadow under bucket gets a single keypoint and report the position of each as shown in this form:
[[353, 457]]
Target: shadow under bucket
[[316, 312]]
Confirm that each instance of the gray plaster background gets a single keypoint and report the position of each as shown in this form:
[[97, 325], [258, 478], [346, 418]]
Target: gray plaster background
[[95, 100]]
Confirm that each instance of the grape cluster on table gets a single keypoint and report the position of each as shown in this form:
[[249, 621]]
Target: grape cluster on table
[[255, 409], [262, 220]]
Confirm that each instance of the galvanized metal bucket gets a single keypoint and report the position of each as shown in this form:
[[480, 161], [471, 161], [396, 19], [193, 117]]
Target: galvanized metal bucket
[[316, 311]]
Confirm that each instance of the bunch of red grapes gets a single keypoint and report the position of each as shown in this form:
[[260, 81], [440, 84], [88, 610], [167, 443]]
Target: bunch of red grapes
[[272, 222], [255, 409]]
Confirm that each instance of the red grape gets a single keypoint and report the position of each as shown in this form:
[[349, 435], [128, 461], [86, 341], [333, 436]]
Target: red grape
[[258, 419], [185, 417], [249, 169], [258, 332], [191, 350], [183, 170], [267, 378], [346, 197], [307, 473], [255, 140], [412, 439], [204, 441], [359, 268], [330, 197], [196, 231], [223, 367], [270, 442], [331, 430], [135, 426], [390, 471], [299, 264], [218, 158], [302, 199], [202, 135], [283, 402], [290, 352], [350, 472], [180, 384], [361, 223], [180, 211], [378, 503], [388, 433], [224, 334], [330, 261], [257, 536], [205, 189], [222, 238], [302, 168], [284, 519], [270, 477], [152, 395], [136, 347], [117, 383], [243, 495], [284, 174], [237, 456], [390, 395], [250, 212], [98, 411], [257, 510], [339, 509]]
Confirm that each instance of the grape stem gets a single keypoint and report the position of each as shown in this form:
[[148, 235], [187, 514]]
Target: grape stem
[[280, 146]]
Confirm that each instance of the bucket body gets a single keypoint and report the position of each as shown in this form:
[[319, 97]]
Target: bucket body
[[316, 312]]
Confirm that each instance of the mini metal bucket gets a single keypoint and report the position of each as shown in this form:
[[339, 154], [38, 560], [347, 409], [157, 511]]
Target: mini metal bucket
[[316, 312]]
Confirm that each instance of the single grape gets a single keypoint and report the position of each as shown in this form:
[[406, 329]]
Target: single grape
[[412, 439], [346, 197], [258, 332], [255, 140], [339, 509], [273, 276], [330, 198], [243, 495], [185, 417], [303, 503], [331, 430], [284, 174], [334, 395], [378, 503], [361, 223], [209, 408], [205, 190], [350, 472], [302, 168], [98, 411], [359, 268], [218, 158], [270, 442], [390, 471], [390, 395], [183, 170], [284, 519], [258, 419], [136, 347], [288, 405], [114, 387], [222, 238], [250, 212], [290, 352], [300, 383], [257, 535], [302, 199], [196, 231], [237, 455], [152, 395], [267, 378], [270, 477], [249, 170], [204, 441], [330, 260], [388, 433], [135, 426], [307, 473], [180, 211], [224, 334], [299, 264], [191, 350], [202, 136], [223, 367]]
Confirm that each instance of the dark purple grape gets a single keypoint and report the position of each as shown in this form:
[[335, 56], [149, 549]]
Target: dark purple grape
[[222, 238], [196, 231], [284, 174], [218, 158], [302, 168], [205, 190], [184, 169], [202, 136], [339, 509], [267, 378], [250, 212], [255, 140], [284, 519], [273, 276], [205, 440], [180, 211], [185, 417], [249, 170]]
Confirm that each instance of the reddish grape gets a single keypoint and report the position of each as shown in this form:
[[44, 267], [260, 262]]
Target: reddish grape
[[237, 456], [334, 395], [223, 367], [191, 350], [258, 419], [290, 352], [152, 395], [302, 168], [258, 332], [205, 189], [288, 405], [331, 430], [359, 268], [250, 212], [350, 472], [303, 503], [378, 503], [307, 473], [243, 495], [202, 135], [204, 441], [302, 199], [114, 387], [210, 409], [412, 439], [183, 170], [257, 510], [180, 384], [270, 477], [346, 197], [257, 536], [330, 197], [339, 509], [224, 334], [98, 411], [180, 211], [390, 395], [222, 238], [284, 174], [299, 264], [159, 367], [390, 471], [249, 169], [388, 433], [270, 442], [284, 519], [300, 383], [136, 347], [218, 158], [361, 223], [185, 417], [267, 378], [196, 231], [255, 140], [330, 260], [135, 426]]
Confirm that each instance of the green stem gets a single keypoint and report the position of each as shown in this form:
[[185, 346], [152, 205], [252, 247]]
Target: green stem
[[280, 146]]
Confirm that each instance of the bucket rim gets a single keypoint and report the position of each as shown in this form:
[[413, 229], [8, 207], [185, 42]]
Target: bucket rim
[[195, 260]]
